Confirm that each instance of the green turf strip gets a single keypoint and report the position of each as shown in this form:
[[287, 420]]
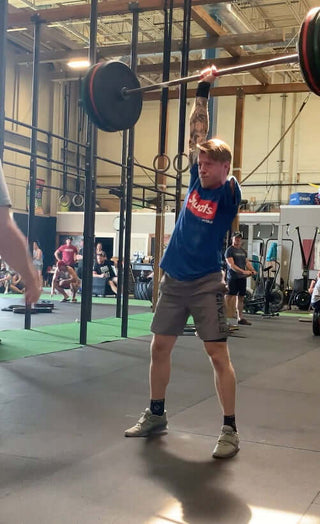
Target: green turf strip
[[21, 343], [12, 297]]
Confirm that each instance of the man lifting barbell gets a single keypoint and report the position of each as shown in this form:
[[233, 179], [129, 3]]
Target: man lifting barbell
[[193, 283]]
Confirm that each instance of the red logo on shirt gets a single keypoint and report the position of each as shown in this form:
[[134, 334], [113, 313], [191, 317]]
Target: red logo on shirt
[[201, 208]]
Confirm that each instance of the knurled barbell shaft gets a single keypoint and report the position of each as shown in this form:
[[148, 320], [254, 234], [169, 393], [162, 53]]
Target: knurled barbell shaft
[[286, 59]]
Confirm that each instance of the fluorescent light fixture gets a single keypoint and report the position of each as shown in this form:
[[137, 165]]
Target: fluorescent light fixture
[[79, 64], [14, 29]]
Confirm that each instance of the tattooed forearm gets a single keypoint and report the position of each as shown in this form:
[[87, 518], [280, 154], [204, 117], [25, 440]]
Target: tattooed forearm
[[199, 123]]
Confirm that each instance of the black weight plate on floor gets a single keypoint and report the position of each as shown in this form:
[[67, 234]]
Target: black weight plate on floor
[[316, 323], [44, 305], [302, 300], [11, 307], [22, 310], [306, 51], [113, 111]]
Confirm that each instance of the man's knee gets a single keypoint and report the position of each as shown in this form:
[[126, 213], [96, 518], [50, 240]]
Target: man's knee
[[218, 352]]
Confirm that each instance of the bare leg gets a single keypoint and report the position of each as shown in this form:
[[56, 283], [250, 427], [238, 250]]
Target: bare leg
[[231, 306], [40, 278], [15, 289], [61, 290], [113, 286], [225, 380], [240, 302], [160, 365]]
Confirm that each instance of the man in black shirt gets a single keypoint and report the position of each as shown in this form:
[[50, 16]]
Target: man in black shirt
[[238, 270], [104, 268]]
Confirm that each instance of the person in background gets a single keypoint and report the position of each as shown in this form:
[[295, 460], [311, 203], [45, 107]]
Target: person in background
[[79, 258], [68, 251], [15, 284], [37, 258], [14, 248], [239, 268], [98, 250], [314, 290], [64, 278], [104, 268]]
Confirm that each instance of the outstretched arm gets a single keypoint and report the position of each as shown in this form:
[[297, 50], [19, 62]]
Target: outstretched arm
[[199, 117]]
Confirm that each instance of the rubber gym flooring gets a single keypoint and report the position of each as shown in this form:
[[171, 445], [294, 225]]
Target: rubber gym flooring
[[64, 459]]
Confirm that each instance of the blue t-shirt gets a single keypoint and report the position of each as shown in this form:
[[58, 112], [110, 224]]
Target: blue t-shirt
[[194, 249]]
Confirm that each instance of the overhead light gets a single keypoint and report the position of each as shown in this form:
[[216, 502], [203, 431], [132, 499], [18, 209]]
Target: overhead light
[[14, 29], [79, 64]]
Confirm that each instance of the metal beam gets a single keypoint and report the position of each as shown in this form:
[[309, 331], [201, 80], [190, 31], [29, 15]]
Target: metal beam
[[105, 8], [149, 48]]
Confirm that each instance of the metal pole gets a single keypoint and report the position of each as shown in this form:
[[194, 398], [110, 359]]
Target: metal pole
[[130, 172], [90, 198], [277, 60], [121, 225], [3, 44], [183, 100], [33, 153]]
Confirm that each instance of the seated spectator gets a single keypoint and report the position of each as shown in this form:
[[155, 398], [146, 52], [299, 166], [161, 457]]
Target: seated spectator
[[104, 268], [68, 251], [64, 278], [98, 251], [15, 283], [4, 278]]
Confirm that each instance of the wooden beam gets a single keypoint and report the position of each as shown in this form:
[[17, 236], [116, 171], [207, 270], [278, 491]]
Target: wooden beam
[[105, 8], [149, 48], [202, 17], [299, 87], [194, 66]]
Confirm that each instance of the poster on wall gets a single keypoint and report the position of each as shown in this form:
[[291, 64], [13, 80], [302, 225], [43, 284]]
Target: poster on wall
[[38, 206]]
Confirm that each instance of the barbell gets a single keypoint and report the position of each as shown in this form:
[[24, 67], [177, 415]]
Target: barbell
[[112, 95]]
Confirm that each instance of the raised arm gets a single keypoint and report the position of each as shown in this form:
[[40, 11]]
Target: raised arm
[[199, 116]]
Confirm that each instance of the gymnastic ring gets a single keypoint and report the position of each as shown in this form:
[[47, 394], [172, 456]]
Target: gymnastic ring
[[175, 163], [77, 200], [162, 169], [64, 200]]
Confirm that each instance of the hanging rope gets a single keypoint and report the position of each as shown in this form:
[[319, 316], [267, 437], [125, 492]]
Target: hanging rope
[[280, 139]]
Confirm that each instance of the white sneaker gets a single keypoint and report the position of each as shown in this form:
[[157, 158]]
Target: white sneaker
[[148, 423], [228, 443]]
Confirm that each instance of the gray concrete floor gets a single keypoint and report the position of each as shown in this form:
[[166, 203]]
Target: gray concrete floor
[[61, 314], [64, 459]]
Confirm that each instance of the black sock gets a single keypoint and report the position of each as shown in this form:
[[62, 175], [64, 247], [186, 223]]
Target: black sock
[[157, 407], [230, 420]]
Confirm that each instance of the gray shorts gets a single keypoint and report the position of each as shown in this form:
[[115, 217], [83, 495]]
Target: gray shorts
[[202, 298]]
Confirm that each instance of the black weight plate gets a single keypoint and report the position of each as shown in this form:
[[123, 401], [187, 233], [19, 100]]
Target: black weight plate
[[12, 307], [86, 99], [301, 46], [114, 111], [306, 51], [302, 300], [316, 323], [22, 310], [317, 44], [44, 305], [315, 72]]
